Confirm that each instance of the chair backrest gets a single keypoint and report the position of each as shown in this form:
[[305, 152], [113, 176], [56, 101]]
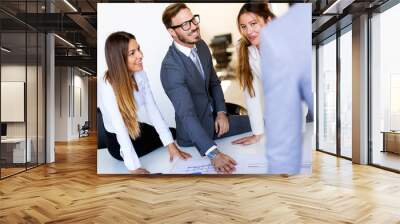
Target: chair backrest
[[234, 109], [101, 131], [86, 125]]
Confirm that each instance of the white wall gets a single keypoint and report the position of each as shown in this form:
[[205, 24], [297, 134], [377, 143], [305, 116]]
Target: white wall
[[80, 83], [17, 73], [67, 114], [220, 18], [61, 103], [33, 126], [144, 21], [214, 21], [14, 73]]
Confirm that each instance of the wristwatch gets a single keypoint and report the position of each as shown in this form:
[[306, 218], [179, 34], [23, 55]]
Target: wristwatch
[[211, 155]]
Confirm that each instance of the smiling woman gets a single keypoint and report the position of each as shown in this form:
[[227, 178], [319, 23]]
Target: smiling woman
[[250, 20], [135, 56], [123, 92]]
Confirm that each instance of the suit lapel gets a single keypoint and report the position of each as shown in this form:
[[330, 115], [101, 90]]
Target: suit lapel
[[201, 54], [189, 65]]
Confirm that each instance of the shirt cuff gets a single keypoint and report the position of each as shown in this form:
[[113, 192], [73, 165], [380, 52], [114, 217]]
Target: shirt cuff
[[130, 162], [211, 149], [166, 138], [259, 131]]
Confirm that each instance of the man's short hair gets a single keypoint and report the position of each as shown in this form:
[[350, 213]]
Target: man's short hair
[[170, 12]]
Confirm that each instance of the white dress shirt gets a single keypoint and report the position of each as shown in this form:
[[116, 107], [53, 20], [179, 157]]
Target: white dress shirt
[[186, 51], [114, 123], [255, 104]]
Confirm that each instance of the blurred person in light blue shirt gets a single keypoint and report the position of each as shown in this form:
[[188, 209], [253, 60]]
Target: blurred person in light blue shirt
[[286, 51]]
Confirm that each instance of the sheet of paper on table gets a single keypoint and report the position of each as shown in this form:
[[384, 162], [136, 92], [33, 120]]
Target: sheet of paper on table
[[246, 164]]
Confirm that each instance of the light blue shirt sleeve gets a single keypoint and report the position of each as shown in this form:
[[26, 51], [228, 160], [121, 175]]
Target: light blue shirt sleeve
[[286, 51]]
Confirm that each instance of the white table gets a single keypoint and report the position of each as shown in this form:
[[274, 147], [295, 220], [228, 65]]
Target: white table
[[18, 144], [158, 160]]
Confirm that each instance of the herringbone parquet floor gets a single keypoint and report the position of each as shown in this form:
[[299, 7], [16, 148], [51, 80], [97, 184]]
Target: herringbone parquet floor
[[70, 191]]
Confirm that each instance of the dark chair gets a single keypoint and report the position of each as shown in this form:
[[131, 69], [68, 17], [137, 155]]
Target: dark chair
[[234, 109], [101, 131], [84, 129]]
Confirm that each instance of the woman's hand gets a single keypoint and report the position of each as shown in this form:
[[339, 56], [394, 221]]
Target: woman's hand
[[139, 171], [248, 140], [174, 151]]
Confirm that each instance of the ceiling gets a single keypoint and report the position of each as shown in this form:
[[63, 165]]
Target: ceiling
[[76, 22]]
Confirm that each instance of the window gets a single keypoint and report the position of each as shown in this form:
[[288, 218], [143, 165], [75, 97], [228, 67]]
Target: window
[[327, 96], [22, 65], [346, 93], [385, 88]]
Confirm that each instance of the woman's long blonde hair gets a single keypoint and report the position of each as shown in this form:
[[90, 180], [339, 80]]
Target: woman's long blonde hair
[[243, 66], [123, 84]]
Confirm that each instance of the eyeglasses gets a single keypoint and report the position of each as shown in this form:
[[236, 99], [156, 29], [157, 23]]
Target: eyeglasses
[[186, 25]]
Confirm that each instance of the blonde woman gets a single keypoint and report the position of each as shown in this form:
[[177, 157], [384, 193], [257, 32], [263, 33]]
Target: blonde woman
[[122, 93], [251, 18]]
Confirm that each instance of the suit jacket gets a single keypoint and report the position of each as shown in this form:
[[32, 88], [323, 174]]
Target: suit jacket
[[194, 98]]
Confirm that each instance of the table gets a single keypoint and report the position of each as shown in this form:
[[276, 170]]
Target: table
[[391, 141], [158, 160], [15, 148]]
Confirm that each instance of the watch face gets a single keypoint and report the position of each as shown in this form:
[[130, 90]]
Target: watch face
[[214, 153], [211, 155]]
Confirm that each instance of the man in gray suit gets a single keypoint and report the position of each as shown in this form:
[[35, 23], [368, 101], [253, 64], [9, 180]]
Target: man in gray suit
[[189, 79]]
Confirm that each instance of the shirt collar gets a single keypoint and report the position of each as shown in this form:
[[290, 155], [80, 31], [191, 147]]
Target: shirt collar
[[254, 52], [185, 50]]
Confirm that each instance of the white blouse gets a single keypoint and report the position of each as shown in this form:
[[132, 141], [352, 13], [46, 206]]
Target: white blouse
[[255, 104], [114, 123]]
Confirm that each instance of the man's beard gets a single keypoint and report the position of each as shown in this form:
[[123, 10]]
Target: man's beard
[[186, 41]]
